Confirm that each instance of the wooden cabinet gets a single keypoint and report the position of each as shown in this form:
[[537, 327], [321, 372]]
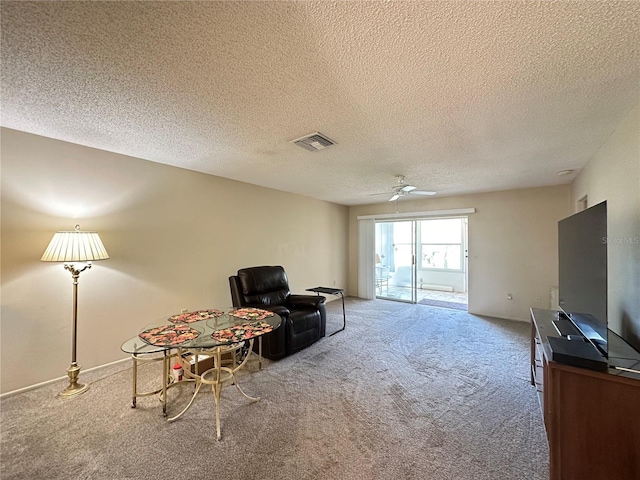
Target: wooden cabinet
[[592, 418]]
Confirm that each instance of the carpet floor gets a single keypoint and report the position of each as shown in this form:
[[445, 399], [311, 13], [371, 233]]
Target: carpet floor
[[406, 391], [444, 304]]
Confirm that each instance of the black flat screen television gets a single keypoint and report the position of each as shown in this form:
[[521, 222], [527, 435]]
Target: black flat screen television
[[582, 259]]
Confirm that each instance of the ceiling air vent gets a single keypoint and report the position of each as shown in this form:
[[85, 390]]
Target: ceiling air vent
[[313, 142]]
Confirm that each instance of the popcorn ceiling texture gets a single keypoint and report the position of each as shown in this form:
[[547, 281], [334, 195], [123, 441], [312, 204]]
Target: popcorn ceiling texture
[[460, 97]]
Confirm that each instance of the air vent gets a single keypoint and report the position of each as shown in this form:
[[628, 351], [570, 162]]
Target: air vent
[[313, 142]]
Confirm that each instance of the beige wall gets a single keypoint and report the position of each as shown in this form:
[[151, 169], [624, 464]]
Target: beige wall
[[614, 175], [174, 237], [513, 245]]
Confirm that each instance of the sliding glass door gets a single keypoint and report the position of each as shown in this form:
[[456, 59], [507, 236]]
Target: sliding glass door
[[442, 253], [395, 268], [415, 259]]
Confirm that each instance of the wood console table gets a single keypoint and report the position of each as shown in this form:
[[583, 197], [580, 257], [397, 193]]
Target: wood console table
[[592, 418]]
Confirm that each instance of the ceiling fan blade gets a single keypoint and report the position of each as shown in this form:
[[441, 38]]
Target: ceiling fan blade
[[408, 188], [395, 197], [421, 192], [381, 193]]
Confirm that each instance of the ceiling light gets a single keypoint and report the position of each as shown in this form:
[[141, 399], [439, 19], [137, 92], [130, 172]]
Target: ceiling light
[[564, 172]]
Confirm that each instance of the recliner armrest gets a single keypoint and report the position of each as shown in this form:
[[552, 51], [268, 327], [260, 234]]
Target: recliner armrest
[[306, 301]]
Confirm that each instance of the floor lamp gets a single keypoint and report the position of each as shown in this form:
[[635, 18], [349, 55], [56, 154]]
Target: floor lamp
[[75, 246]]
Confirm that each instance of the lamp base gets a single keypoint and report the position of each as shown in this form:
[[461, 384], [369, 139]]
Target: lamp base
[[74, 387]]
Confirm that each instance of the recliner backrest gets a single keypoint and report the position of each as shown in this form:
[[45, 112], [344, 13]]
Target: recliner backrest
[[266, 285]]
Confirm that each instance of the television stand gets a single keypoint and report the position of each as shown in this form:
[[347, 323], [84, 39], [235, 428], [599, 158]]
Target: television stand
[[592, 418]]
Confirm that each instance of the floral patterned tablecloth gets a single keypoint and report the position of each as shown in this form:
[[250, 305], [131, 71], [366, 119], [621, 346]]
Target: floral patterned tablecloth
[[238, 333], [179, 332], [250, 313], [167, 335], [197, 316]]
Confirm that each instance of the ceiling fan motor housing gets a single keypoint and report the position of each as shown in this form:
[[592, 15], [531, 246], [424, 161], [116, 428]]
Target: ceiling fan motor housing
[[402, 189]]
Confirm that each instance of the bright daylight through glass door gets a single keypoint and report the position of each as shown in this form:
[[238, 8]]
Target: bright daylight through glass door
[[395, 260], [422, 261]]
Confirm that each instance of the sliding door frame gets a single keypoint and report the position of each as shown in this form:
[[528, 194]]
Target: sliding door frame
[[393, 263], [366, 245]]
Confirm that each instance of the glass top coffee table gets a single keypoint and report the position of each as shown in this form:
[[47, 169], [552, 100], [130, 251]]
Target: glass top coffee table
[[212, 332]]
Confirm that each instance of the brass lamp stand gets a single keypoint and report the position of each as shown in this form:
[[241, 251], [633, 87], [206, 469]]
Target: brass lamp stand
[[69, 247], [73, 371]]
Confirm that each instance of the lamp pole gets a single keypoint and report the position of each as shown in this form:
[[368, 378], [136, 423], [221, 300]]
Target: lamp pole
[[74, 388]]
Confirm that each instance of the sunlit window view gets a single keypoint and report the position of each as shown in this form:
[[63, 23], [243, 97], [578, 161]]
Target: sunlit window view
[[441, 244], [438, 250]]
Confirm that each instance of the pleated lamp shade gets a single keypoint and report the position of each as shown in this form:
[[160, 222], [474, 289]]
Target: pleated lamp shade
[[75, 246]]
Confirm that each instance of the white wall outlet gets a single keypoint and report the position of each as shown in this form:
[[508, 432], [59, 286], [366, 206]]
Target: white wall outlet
[[509, 296]]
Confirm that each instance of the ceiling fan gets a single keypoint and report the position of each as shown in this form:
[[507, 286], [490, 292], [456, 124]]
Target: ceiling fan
[[403, 189]]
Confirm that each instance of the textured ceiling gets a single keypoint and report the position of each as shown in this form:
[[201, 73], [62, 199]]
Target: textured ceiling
[[459, 97]]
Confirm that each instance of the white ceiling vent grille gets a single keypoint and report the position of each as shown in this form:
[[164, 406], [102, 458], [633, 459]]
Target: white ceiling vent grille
[[315, 141]]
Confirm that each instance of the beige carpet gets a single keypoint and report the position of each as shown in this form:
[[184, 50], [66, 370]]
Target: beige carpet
[[444, 304], [406, 391]]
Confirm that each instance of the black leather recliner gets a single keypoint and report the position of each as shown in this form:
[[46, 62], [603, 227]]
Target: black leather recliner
[[304, 317]]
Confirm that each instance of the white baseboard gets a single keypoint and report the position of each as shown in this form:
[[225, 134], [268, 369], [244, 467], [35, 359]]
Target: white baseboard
[[48, 382], [441, 288]]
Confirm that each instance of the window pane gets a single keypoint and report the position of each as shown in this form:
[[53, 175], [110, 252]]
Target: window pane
[[441, 256], [448, 230], [402, 254], [402, 232]]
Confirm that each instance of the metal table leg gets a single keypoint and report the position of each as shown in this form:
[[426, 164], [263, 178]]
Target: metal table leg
[[166, 361], [344, 316]]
